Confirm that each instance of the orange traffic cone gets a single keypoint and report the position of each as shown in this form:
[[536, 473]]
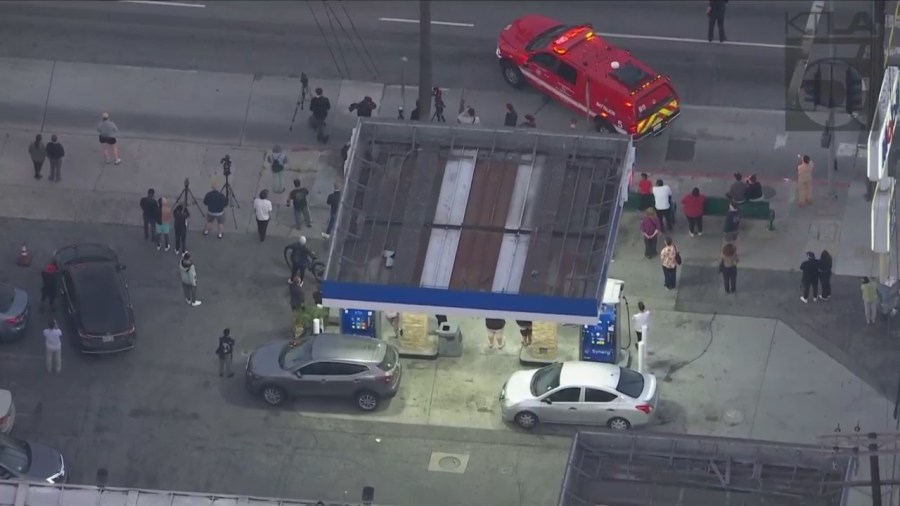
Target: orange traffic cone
[[24, 259]]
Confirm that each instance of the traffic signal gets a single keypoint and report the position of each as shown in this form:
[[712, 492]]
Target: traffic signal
[[855, 95], [812, 88]]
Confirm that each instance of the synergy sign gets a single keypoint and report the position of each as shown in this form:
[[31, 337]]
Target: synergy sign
[[888, 111]]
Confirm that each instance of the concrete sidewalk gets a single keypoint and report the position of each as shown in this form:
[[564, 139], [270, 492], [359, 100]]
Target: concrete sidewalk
[[257, 110]]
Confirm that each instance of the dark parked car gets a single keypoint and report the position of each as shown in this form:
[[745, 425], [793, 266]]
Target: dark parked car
[[96, 297], [22, 460], [327, 365], [14, 312]]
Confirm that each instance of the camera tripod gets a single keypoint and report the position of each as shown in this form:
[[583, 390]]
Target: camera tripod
[[230, 197], [186, 194], [301, 99]]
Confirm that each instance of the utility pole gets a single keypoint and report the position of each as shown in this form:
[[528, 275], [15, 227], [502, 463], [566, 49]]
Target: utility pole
[[425, 75], [829, 129]]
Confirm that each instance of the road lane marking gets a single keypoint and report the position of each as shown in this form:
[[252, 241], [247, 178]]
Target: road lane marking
[[165, 4], [416, 21], [693, 41]]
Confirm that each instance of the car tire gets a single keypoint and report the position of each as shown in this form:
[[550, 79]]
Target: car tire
[[367, 400], [511, 74], [318, 270], [526, 420], [618, 423], [273, 395]]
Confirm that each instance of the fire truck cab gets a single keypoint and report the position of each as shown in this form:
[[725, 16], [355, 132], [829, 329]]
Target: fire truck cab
[[584, 72]]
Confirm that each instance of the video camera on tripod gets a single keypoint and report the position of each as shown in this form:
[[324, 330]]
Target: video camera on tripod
[[301, 98], [226, 166]]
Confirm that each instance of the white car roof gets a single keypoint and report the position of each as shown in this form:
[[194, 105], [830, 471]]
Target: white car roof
[[589, 374]]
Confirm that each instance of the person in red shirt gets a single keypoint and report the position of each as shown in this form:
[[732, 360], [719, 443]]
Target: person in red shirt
[[645, 191], [692, 204]]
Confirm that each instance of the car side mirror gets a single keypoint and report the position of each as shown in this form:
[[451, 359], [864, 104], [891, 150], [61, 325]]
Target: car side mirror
[[546, 400]]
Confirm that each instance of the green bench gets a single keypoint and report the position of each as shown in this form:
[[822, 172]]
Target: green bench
[[718, 206]]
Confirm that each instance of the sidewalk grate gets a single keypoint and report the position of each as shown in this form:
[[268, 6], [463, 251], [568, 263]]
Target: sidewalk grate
[[448, 462]]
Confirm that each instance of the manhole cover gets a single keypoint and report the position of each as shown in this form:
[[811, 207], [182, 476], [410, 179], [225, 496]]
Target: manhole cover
[[449, 463]]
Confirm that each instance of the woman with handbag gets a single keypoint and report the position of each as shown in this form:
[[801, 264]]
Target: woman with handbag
[[728, 267], [670, 259]]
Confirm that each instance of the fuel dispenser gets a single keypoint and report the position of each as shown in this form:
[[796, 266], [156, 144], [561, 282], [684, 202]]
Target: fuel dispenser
[[604, 341], [359, 322]]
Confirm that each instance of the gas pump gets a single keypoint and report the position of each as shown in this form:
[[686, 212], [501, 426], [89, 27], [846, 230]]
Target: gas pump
[[359, 322], [602, 341]]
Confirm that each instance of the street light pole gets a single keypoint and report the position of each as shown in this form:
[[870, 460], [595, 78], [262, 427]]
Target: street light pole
[[425, 77], [402, 107], [830, 128]]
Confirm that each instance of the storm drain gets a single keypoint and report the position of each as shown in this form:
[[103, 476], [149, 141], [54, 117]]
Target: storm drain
[[448, 462]]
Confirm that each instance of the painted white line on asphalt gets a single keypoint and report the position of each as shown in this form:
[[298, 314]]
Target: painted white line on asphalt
[[692, 41], [416, 21], [165, 4]]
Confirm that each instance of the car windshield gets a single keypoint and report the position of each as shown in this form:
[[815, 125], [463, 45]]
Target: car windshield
[[545, 379], [7, 294], [15, 454], [389, 362], [293, 355], [631, 383], [101, 298], [541, 41]]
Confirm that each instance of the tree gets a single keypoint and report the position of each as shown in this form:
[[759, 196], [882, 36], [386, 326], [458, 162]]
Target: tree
[[425, 77]]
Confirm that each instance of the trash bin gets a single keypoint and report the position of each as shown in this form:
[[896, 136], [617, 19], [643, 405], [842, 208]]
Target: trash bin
[[449, 340]]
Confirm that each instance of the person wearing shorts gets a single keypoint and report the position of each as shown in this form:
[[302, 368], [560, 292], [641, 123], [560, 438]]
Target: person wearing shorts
[[164, 225], [215, 202], [108, 130]]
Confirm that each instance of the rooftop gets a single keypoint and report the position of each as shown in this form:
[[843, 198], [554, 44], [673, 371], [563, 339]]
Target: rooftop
[[644, 469], [477, 210]]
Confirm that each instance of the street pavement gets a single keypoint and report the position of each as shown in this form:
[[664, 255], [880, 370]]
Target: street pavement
[[354, 41]]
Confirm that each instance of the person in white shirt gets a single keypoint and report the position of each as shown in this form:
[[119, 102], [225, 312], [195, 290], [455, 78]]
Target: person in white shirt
[[468, 117], [262, 206], [662, 201], [641, 320], [53, 343]]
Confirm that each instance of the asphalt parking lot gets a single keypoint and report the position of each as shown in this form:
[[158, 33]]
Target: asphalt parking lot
[[160, 417]]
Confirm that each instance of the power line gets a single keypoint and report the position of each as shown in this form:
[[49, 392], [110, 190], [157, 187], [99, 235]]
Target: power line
[[369, 67], [337, 40], [325, 37], [359, 38]]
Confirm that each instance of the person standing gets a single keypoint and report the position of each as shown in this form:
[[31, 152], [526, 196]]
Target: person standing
[[53, 345], [319, 106], [728, 267], [870, 299], [662, 201], [468, 117], [393, 319], [809, 277], [180, 217], [215, 202], [262, 206], [495, 328], [526, 330], [693, 210], [804, 181], [49, 286], [512, 117], [334, 202], [299, 256], [298, 298], [55, 153], [189, 279], [108, 144], [645, 192], [164, 224], [225, 352], [715, 11], [38, 152], [670, 259], [298, 197], [825, 265], [732, 222], [364, 108], [150, 215], [641, 320], [417, 112], [278, 161], [650, 227], [738, 190]]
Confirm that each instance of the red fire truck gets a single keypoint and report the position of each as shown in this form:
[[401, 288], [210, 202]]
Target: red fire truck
[[582, 71]]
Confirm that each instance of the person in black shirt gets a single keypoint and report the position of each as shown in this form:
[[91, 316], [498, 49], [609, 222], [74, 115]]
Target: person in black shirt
[[364, 108], [180, 216], [334, 202], [299, 255], [809, 277], [512, 117], [55, 154], [526, 330], [732, 222], [225, 352], [825, 265], [298, 298], [297, 197], [319, 106], [150, 212], [215, 202], [754, 188], [49, 288], [716, 13], [414, 115], [495, 332]]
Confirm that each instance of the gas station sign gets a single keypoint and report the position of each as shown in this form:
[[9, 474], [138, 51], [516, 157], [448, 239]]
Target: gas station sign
[[882, 134]]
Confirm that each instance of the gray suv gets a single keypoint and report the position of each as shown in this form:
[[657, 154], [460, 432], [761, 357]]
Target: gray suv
[[326, 365]]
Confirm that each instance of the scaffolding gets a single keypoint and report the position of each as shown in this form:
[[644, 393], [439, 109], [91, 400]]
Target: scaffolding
[[639, 469]]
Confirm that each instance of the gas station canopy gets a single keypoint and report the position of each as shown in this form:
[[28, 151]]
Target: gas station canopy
[[477, 221]]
